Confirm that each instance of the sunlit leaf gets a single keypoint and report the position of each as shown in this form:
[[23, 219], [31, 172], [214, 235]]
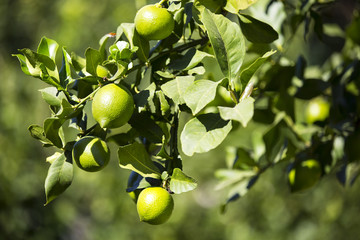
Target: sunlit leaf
[[175, 89], [242, 112], [93, 59], [48, 47], [227, 41], [59, 178], [247, 73], [199, 94], [181, 183], [234, 6], [204, 133], [53, 131], [136, 158]]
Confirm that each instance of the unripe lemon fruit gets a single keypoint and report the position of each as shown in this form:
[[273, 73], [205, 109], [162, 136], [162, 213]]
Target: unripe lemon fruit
[[91, 154], [112, 106], [153, 22], [304, 175], [155, 205], [317, 110]]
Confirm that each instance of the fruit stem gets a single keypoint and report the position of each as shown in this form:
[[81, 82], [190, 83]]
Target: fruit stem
[[86, 98]]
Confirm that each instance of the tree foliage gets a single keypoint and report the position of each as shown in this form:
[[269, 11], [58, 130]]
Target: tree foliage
[[261, 91]]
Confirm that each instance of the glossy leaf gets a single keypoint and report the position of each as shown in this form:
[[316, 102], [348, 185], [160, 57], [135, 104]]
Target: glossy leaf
[[79, 63], [190, 60], [227, 41], [136, 158], [136, 41], [257, 31], [59, 178], [234, 6], [247, 73], [51, 97], [25, 65], [204, 133], [93, 59], [175, 89], [38, 133], [48, 47], [181, 183], [67, 111], [53, 131], [242, 112], [102, 45], [65, 71], [199, 94]]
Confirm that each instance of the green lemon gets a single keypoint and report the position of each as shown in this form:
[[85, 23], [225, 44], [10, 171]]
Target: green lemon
[[304, 175], [91, 154], [112, 106], [155, 205], [317, 110], [102, 71], [153, 22]]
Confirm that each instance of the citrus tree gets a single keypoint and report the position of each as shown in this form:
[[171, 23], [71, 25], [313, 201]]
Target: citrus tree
[[183, 79]]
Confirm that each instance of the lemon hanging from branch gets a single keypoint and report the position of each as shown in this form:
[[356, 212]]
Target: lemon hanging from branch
[[112, 106]]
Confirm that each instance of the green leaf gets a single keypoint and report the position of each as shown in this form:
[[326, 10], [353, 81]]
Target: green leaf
[[181, 183], [65, 71], [67, 111], [59, 178], [199, 94], [234, 6], [227, 41], [102, 45], [37, 59], [52, 96], [229, 177], [48, 47], [51, 159], [257, 31], [190, 60], [145, 96], [78, 62], [248, 72], [53, 131], [204, 133], [239, 188], [25, 67], [242, 112], [165, 107], [47, 78], [93, 59], [280, 141], [146, 126], [136, 41], [348, 173], [175, 89], [38, 133], [136, 158], [243, 160], [39, 66]]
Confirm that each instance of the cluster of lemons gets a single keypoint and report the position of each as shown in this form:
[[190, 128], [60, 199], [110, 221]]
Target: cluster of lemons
[[113, 106]]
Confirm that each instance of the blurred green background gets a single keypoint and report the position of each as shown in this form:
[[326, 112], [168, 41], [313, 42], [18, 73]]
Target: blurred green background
[[96, 206]]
